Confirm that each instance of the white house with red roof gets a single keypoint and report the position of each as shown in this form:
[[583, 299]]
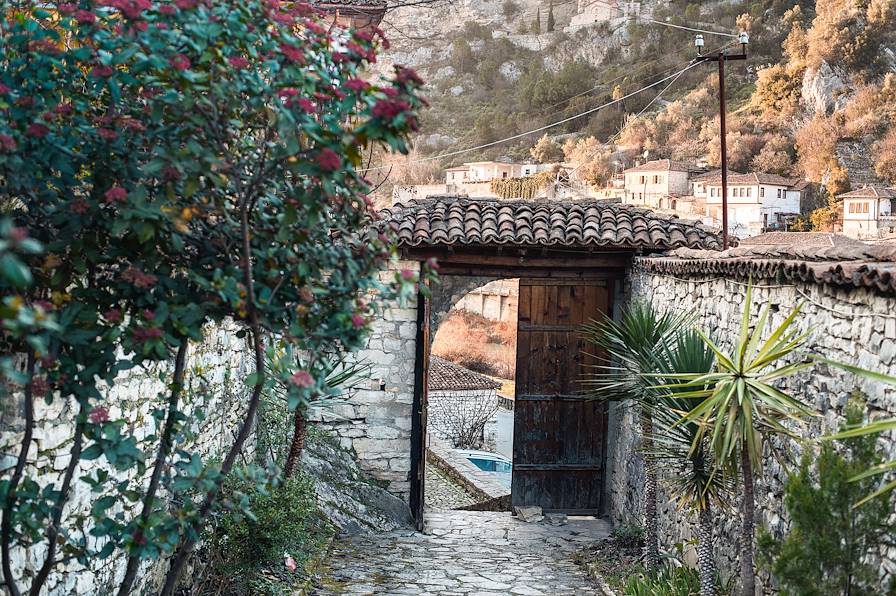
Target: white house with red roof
[[757, 202], [869, 212], [657, 183]]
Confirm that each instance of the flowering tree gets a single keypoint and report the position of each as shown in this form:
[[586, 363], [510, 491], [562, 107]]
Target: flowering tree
[[181, 164]]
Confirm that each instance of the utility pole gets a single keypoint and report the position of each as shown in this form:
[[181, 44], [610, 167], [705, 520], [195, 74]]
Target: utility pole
[[721, 57]]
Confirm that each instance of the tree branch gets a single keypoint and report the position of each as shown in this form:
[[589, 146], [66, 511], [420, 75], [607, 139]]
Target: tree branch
[[172, 579], [164, 450], [10, 502]]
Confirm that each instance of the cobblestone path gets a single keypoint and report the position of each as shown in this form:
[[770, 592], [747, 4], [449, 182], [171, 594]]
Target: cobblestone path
[[466, 553], [444, 493]]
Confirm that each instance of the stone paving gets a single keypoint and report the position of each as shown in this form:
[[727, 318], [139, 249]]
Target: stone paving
[[444, 493], [466, 553]]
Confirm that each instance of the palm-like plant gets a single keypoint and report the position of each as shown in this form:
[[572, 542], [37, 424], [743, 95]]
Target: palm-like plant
[[628, 350], [740, 406], [696, 484]]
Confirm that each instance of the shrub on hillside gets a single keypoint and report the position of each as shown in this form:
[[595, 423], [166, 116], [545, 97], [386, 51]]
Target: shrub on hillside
[[471, 340], [885, 157]]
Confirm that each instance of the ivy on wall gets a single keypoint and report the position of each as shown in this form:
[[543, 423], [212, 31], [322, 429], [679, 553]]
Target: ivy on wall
[[523, 187]]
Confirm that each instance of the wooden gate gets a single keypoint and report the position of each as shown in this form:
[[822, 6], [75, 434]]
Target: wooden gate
[[559, 438]]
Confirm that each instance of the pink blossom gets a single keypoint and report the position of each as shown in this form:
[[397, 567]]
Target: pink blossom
[[185, 4], [107, 133], [238, 62], [356, 84], [18, 234], [302, 378], [67, 7], [37, 130], [99, 414], [148, 314], [307, 105], [116, 194], [7, 143], [358, 321], [284, 18], [102, 71], [432, 263], [408, 275], [64, 109], [290, 563], [389, 109], [79, 206], [294, 54], [139, 278], [328, 160], [85, 17], [407, 75], [162, 26], [3, 89], [170, 173], [113, 315], [180, 62], [167, 9]]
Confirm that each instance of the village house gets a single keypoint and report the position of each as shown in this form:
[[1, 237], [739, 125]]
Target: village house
[[657, 184], [757, 202], [472, 179], [590, 13], [869, 212]]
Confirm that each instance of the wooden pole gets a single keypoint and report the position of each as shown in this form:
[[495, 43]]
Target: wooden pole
[[724, 151]]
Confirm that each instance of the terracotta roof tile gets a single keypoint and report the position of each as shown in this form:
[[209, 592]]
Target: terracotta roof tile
[[809, 240], [870, 192], [448, 376], [870, 266], [463, 221], [755, 178], [661, 165]]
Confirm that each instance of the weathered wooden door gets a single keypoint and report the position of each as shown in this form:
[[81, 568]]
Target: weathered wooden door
[[559, 438]]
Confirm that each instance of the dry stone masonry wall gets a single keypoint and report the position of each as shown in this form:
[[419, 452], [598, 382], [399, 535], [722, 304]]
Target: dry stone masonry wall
[[217, 368], [376, 422], [856, 326]]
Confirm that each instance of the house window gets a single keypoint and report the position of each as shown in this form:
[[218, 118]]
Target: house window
[[779, 193], [674, 203], [749, 192], [762, 192], [503, 174], [864, 207], [852, 207], [642, 179], [712, 192]]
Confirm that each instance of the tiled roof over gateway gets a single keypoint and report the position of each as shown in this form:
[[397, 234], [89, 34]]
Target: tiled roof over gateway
[[447, 221]]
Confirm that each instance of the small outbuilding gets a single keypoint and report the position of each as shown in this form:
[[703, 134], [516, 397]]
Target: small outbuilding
[[461, 403]]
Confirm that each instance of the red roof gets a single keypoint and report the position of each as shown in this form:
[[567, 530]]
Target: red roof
[[661, 165]]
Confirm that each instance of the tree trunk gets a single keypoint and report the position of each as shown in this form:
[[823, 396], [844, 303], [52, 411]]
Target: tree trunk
[[651, 523], [296, 446], [705, 561], [747, 575]]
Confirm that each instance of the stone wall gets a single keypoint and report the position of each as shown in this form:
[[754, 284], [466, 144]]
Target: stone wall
[[855, 326], [376, 422], [216, 370], [455, 413]]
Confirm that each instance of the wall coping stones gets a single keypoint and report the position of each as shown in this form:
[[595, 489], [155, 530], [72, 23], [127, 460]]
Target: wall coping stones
[[871, 266], [481, 484]]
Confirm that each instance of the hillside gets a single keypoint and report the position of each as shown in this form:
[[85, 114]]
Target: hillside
[[815, 98]]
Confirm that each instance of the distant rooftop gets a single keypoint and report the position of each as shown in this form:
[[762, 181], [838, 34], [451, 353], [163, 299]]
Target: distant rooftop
[[661, 165], [805, 240], [755, 178], [448, 376], [870, 192]]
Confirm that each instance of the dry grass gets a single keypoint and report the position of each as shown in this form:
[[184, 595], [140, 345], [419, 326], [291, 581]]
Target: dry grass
[[471, 340]]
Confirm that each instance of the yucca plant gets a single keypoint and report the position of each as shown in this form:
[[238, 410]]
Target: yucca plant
[[695, 483], [741, 404], [627, 350]]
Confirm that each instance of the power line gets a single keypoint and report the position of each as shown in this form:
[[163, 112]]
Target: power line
[[545, 127]]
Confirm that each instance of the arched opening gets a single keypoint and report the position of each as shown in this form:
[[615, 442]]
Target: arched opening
[[470, 398]]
